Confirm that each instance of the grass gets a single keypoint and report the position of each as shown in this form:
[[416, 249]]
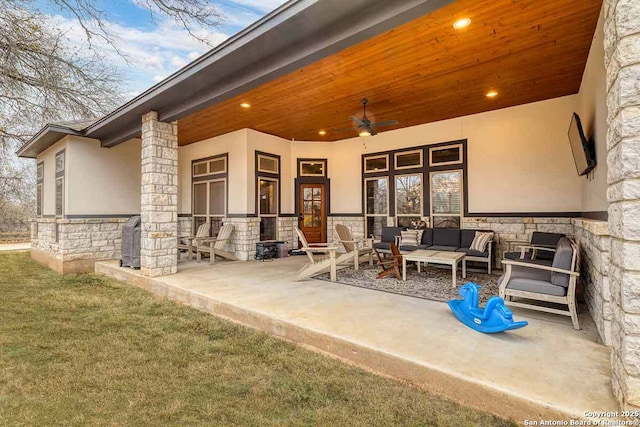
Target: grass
[[80, 350]]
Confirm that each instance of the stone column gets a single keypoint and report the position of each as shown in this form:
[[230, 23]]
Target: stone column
[[159, 198], [622, 62]]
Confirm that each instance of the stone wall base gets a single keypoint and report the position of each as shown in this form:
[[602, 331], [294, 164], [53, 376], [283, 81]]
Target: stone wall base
[[64, 267]]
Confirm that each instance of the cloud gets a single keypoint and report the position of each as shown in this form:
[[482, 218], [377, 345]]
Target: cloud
[[146, 56]]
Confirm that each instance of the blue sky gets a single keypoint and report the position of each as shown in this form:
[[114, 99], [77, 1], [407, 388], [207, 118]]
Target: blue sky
[[156, 47]]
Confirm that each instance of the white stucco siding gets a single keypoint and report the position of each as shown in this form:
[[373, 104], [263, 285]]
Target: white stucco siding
[[102, 181], [235, 145], [519, 158]]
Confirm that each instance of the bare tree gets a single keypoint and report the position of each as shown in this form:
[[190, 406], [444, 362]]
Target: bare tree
[[43, 79]]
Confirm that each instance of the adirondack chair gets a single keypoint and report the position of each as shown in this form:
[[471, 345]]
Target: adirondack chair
[[355, 248], [214, 246], [190, 243], [391, 266], [317, 265]]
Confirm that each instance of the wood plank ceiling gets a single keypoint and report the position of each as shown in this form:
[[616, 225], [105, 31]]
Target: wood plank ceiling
[[420, 72]]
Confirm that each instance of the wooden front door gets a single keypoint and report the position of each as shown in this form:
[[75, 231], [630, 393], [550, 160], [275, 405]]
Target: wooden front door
[[313, 217]]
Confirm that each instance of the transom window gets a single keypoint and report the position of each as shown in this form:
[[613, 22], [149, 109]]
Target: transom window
[[268, 164], [408, 159], [446, 155], [376, 163], [312, 168], [210, 167]]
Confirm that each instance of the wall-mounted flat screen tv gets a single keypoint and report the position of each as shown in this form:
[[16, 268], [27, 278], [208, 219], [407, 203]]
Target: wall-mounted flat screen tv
[[582, 148]]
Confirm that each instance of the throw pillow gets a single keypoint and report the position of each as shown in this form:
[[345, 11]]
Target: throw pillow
[[409, 238], [480, 241]]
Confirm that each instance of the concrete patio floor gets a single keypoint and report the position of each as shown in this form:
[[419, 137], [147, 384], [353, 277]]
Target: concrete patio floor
[[544, 371]]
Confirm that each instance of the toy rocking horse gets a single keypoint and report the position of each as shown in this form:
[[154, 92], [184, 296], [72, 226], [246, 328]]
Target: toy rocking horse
[[494, 317]]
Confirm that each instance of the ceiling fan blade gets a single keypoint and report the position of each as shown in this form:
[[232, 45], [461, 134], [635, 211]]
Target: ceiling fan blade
[[357, 121], [387, 123], [372, 131]]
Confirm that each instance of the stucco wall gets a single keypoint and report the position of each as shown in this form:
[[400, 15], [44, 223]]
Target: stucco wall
[[519, 158], [235, 144], [102, 181], [592, 109]]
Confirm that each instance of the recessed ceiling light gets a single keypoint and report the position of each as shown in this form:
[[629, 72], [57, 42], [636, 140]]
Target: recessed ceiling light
[[322, 132], [491, 94], [245, 105], [461, 23]]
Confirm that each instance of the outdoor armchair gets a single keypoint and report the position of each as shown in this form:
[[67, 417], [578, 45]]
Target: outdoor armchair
[[215, 246], [355, 248], [190, 243], [555, 283]]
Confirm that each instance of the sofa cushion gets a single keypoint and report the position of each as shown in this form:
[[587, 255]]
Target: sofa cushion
[[481, 241], [382, 245], [389, 233], [466, 238], [427, 237], [518, 272], [535, 286], [527, 259], [516, 256], [549, 240], [446, 237], [562, 259], [411, 248], [409, 238], [471, 252], [443, 248]]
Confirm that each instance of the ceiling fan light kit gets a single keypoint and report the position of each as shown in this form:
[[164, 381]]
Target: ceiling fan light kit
[[364, 125]]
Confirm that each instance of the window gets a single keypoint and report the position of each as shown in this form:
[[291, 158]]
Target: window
[[210, 167], [268, 208], [446, 199], [376, 205], [59, 187], [39, 188], [408, 159], [268, 164], [312, 168], [268, 194], [447, 155], [376, 164], [408, 199], [59, 196], [209, 193]]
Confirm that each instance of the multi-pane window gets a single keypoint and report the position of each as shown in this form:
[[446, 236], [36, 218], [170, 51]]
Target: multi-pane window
[[268, 195], [408, 199], [376, 204], [209, 201], [446, 199], [39, 187], [268, 209], [59, 184]]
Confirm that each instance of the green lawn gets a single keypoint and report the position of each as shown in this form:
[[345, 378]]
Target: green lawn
[[89, 350]]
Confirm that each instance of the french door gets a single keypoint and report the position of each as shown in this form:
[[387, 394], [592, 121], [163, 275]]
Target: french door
[[313, 217]]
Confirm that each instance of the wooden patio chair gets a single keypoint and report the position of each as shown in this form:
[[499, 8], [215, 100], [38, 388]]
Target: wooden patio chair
[[391, 266], [317, 265], [354, 248], [215, 246], [190, 243]]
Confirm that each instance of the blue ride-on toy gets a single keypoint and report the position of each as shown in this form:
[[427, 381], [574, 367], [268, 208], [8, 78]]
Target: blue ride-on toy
[[494, 317]]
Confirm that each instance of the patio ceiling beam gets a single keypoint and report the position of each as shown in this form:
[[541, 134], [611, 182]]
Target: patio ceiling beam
[[295, 35]]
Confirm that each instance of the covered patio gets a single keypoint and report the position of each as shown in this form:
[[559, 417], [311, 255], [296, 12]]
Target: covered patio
[[262, 133], [544, 371]]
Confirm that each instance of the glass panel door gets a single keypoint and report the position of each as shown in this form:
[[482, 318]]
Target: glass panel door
[[376, 205]]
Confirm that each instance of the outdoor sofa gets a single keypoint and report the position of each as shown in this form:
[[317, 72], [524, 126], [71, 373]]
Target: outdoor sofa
[[440, 239]]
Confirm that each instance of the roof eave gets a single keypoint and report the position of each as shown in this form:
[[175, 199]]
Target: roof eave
[[45, 138]]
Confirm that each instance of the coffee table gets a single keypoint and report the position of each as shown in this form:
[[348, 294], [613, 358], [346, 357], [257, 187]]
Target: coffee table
[[436, 257]]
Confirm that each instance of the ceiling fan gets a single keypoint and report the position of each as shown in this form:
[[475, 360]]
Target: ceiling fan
[[364, 125]]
